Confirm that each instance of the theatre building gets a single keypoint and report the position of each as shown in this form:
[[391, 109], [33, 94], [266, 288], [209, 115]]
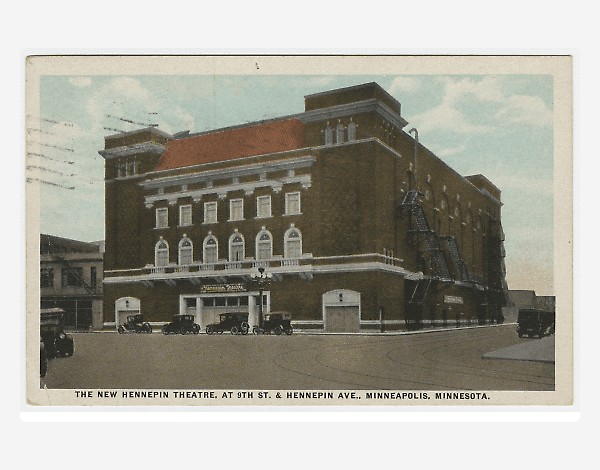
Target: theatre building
[[359, 226]]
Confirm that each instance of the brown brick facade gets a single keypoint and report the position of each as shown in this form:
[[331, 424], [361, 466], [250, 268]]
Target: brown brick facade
[[355, 235]]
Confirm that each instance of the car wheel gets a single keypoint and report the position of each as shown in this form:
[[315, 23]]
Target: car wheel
[[234, 330], [121, 330], [245, 328], [195, 328], [165, 330], [255, 330], [209, 330], [182, 330], [289, 331], [278, 330], [147, 328]]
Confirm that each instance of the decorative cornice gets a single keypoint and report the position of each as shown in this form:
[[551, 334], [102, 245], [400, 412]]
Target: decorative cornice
[[352, 109], [230, 172], [221, 191], [134, 149]]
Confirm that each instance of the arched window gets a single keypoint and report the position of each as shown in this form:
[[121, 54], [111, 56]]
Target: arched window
[[210, 249], [186, 251], [161, 253], [264, 245], [292, 243], [236, 247]]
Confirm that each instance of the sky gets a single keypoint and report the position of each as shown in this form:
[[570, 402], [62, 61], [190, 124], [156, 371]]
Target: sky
[[500, 126]]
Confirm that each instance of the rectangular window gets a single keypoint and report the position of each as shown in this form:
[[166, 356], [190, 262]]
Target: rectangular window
[[292, 203], [162, 217], [236, 209], [210, 212], [263, 206], [47, 277], [72, 277], [185, 215], [93, 276]]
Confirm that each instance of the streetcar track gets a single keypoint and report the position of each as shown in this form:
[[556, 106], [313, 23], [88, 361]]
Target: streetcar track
[[352, 346]]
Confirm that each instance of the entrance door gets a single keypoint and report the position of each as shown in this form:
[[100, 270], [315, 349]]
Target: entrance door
[[342, 319]]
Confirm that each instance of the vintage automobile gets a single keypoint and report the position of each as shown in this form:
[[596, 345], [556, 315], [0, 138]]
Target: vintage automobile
[[136, 324], [534, 322], [235, 322], [43, 360], [52, 333], [275, 322], [182, 324]]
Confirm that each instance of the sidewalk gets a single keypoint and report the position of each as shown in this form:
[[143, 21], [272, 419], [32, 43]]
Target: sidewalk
[[540, 350]]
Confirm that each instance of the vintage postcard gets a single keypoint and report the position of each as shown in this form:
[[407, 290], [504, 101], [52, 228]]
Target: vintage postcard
[[268, 231]]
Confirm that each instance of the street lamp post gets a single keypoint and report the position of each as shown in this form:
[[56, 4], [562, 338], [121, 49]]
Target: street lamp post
[[261, 279]]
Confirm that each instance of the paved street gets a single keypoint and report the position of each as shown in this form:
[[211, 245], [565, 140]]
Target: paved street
[[440, 360]]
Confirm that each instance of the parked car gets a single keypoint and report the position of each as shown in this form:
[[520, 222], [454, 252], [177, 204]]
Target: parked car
[[43, 360], [136, 324], [182, 324], [236, 322], [56, 341], [275, 322], [534, 322]]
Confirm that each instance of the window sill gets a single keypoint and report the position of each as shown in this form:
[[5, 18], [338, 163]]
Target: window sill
[[209, 223], [161, 228], [264, 217], [235, 220], [289, 215]]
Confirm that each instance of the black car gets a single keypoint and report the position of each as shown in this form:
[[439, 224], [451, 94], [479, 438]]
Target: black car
[[56, 341], [136, 324], [236, 322], [43, 360], [533, 322], [275, 322], [182, 324]]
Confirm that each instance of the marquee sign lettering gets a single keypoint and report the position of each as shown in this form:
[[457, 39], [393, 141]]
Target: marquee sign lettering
[[451, 299], [221, 288]]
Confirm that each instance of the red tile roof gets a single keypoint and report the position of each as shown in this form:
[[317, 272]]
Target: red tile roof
[[270, 137]]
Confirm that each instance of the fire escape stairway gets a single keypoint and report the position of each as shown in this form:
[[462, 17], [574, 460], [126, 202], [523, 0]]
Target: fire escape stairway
[[461, 268], [81, 280], [420, 227], [495, 258], [420, 292]]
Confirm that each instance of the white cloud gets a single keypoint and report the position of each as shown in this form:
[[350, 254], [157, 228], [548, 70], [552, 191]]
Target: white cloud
[[446, 152], [126, 99], [446, 117], [81, 82], [487, 89], [513, 109], [404, 84], [523, 109]]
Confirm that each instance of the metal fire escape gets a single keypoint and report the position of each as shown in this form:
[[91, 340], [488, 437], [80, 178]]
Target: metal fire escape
[[496, 268], [460, 267], [421, 234]]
